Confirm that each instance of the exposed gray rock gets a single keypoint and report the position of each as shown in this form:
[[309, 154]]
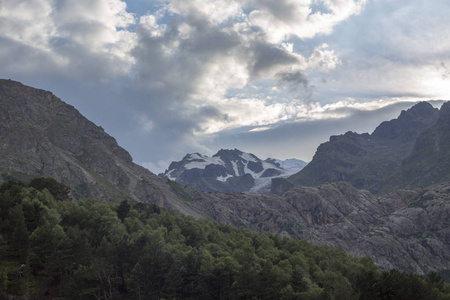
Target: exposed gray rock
[[407, 152], [406, 229], [43, 136]]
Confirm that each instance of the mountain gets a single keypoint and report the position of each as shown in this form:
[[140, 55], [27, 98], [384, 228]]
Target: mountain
[[430, 158], [230, 171], [406, 229], [44, 137], [407, 152]]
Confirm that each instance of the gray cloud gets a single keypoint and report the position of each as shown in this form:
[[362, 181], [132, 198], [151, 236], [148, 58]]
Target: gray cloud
[[21, 60], [284, 11], [265, 57], [296, 83], [445, 71]]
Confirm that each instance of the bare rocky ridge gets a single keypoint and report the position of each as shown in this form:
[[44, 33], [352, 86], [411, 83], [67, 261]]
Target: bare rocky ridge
[[407, 229], [43, 136], [390, 158]]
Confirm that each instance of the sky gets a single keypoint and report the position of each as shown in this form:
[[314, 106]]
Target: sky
[[274, 78]]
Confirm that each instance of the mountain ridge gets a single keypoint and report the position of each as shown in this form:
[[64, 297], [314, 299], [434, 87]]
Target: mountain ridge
[[45, 137], [379, 162], [230, 171]]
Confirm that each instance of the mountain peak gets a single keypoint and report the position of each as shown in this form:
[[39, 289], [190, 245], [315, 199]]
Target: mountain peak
[[444, 113], [9, 82], [230, 171], [228, 153], [42, 136], [391, 157], [409, 124]]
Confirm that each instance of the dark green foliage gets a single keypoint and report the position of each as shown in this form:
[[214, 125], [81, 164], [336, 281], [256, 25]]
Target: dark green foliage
[[18, 233], [123, 209], [58, 190], [97, 250]]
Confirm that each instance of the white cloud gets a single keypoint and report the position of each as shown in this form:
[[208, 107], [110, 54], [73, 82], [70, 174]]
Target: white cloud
[[27, 22], [71, 35], [256, 113], [215, 11], [393, 49], [256, 129], [285, 19], [323, 59]]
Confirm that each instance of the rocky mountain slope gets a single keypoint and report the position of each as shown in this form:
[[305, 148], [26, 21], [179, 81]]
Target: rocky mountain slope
[[230, 171], [407, 152], [43, 136], [409, 230]]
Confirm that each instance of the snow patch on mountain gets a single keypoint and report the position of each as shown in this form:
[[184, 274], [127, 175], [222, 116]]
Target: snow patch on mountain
[[229, 170], [249, 157], [235, 168], [205, 161]]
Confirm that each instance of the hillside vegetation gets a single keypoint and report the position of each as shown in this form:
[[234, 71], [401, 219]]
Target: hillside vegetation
[[93, 249]]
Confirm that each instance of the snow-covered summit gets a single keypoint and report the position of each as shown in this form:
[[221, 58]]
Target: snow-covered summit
[[230, 171]]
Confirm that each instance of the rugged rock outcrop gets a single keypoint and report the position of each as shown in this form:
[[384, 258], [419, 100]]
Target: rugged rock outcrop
[[406, 229], [394, 156]]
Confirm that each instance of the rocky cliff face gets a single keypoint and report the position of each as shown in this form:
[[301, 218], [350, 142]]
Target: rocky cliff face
[[381, 161], [230, 171], [407, 229], [430, 158]]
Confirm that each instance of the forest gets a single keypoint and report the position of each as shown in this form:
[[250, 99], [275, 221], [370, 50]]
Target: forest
[[52, 247]]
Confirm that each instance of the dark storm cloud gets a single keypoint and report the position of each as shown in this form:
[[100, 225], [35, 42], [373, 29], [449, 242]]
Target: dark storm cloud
[[296, 83], [265, 57], [214, 113]]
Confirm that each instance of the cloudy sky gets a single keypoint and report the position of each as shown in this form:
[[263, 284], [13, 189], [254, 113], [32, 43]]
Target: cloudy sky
[[275, 78]]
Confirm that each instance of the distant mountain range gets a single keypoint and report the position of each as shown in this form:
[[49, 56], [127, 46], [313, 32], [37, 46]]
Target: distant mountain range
[[408, 152], [230, 171], [407, 229]]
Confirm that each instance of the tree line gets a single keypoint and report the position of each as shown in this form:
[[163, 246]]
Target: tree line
[[52, 247]]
